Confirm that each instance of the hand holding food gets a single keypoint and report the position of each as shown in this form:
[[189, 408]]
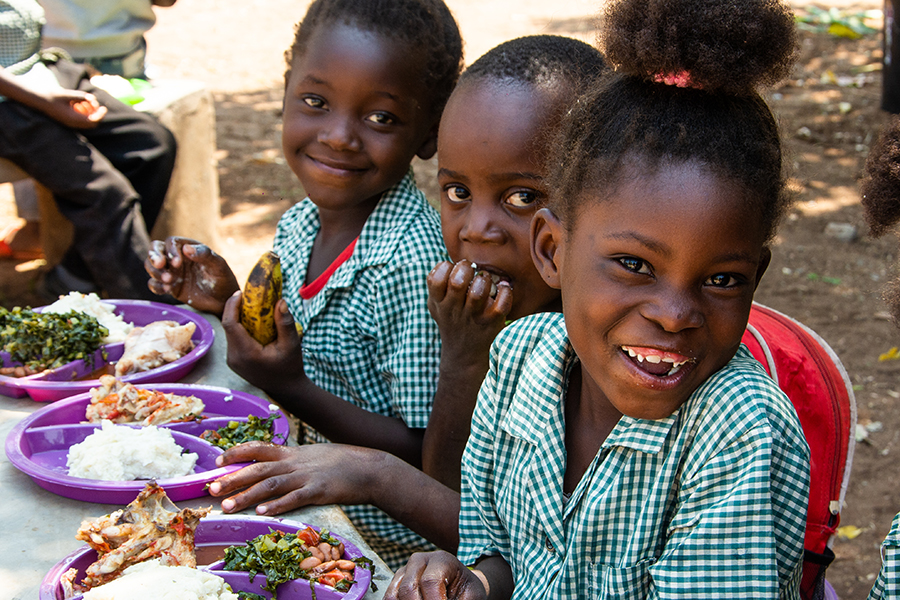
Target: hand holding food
[[261, 293]]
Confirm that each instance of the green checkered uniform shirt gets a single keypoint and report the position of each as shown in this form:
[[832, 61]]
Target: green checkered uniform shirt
[[20, 35], [887, 586], [368, 336], [709, 502]]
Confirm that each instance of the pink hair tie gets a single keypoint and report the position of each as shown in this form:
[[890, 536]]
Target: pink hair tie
[[681, 79]]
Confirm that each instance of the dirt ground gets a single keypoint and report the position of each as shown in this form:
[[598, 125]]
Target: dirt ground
[[829, 113]]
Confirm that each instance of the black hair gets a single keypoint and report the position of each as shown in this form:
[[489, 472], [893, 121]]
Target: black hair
[[538, 60], [684, 90], [427, 26], [880, 185], [880, 188]]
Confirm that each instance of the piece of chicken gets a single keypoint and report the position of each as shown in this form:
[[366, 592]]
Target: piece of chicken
[[124, 403], [150, 527], [154, 345]]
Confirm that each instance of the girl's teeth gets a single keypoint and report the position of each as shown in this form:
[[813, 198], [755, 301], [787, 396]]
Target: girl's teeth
[[656, 359]]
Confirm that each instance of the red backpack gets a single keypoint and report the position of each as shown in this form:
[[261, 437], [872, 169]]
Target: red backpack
[[806, 369]]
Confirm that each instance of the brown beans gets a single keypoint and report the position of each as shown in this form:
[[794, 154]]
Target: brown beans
[[345, 565], [310, 562]]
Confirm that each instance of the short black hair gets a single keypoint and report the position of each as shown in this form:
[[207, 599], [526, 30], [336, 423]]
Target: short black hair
[[427, 26], [684, 89], [880, 185], [880, 188], [539, 59]]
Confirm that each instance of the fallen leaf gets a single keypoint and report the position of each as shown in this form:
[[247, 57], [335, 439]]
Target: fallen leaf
[[892, 354], [848, 532]]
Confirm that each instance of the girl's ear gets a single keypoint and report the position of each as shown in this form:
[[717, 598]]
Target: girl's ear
[[546, 244], [429, 146]]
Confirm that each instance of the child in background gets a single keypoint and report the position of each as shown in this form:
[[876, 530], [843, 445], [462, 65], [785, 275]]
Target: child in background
[[880, 189], [631, 447], [490, 165], [364, 91]]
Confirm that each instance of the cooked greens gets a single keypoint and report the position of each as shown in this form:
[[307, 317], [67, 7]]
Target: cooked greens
[[45, 340], [238, 432], [278, 555]]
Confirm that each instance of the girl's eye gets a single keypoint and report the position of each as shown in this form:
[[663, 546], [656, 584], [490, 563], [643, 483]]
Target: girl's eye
[[314, 102], [457, 193], [723, 280], [381, 118], [635, 265], [522, 198]]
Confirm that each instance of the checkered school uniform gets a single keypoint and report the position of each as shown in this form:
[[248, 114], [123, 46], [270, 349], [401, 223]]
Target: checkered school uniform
[[887, 586], [368, 336], [709, 502]]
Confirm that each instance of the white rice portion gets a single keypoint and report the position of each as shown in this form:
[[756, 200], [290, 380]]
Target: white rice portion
[[122, 453], [90, 304], [152, 580]]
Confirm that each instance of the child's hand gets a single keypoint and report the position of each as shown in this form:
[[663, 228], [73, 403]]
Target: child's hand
[[438, 575], [191, 272], [460, 302], [74, 109], [274, 367], [284, 478]]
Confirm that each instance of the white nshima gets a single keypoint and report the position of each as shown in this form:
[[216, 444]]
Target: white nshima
[[122, 453], [90, 304], [151, 580]]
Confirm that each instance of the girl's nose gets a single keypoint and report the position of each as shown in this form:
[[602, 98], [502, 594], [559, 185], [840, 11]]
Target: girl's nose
[[339, 133], [482, 225], [675, 310]]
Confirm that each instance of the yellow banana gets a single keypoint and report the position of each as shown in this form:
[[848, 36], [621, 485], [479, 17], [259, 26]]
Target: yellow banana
[[261, 293]]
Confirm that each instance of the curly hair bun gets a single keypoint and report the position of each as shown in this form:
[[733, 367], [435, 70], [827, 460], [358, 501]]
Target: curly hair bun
[[732, 46]]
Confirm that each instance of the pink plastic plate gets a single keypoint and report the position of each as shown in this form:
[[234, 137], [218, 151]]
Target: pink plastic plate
[[215, 532], [38, 444], [63, 382], [41, 453]]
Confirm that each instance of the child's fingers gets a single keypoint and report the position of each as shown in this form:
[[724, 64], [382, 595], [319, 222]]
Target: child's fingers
[[479, 293], [502, 304], [437, 280], [458, 283], [157, 254]]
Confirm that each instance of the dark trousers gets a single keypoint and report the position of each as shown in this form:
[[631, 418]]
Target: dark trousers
[[109, 181], [890, 82]]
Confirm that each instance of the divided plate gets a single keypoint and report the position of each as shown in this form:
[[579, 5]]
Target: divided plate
[[63, 381], [215, 532], [38, 444]]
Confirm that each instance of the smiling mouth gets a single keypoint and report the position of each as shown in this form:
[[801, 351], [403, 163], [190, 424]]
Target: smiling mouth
[[656, 362], [336, 168]]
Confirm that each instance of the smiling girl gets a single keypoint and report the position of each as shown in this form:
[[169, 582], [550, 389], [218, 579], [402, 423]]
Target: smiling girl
[[631, 447]]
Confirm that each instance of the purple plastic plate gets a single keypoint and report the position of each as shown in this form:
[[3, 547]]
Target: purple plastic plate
[[213, 534], [41, 453], [63, 381], [35, 444]]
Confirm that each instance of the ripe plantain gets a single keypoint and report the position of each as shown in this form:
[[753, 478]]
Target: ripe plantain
[[261, 293]]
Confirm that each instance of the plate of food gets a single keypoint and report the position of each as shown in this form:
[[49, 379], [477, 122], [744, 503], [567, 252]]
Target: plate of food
[[294, 560], [136, 340], [202, 420]]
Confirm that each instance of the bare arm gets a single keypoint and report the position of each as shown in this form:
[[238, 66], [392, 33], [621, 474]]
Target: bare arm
[[277, 368], [71, 108], [284, 478], [469, 320]]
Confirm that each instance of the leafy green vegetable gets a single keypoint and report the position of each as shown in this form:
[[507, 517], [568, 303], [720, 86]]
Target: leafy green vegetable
[[238, 432], [278, 555], [46, 341], [250, 596]]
